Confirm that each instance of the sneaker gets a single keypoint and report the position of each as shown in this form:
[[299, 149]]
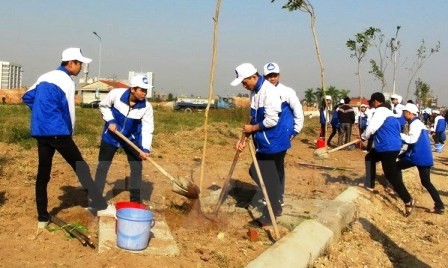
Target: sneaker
[[438, 210], [263, 201], [365, 187], [110, 211], [92, 210], [42, 224], [261, 222]]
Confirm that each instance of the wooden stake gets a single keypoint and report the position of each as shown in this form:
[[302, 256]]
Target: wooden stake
[[68, 229], [210, 91], [75, 232]]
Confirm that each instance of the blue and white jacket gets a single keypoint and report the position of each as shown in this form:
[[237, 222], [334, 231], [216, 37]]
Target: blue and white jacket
[[136, 123], [294, 108], [439, 124], [361, 120], [52, 103], [398, 113], [385, 129], [266, 110], [419, 145]]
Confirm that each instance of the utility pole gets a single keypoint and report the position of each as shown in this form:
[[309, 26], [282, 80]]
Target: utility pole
[[394, 44], [99, 63]]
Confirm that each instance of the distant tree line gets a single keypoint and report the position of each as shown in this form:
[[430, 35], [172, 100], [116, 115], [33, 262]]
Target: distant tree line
[[314, 96]]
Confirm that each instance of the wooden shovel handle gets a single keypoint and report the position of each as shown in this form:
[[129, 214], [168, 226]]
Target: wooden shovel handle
[[123, 137], [343, 146], [159, 168]]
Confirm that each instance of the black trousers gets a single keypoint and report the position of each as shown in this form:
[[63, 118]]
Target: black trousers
[[333, 132], [46, 147], [438, 138], [272, 169], [425, 179], [389, 164], [105, 156]]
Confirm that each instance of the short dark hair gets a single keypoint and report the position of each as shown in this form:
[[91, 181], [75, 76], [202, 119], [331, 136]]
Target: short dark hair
[[347, 100], [378, 96]]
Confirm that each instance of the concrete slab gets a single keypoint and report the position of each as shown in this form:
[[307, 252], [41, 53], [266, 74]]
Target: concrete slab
[[301, 247], [298, 248], [161, 241]]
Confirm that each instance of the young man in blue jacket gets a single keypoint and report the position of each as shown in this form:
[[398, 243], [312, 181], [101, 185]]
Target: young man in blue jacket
[[126, 110], [52, 103], [419, 153], [385, 129], [291, 104], [270, 132]]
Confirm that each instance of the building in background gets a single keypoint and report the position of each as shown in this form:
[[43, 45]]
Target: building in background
[[150, 76], [98, 90], [10, 75]]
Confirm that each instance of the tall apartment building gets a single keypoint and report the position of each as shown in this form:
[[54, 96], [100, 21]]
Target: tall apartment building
[[10, 75]]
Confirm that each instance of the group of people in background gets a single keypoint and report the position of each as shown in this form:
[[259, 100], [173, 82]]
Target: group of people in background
[[385, 129]]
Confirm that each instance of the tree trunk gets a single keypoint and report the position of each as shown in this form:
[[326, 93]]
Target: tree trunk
[[322, 72], [359, 81]]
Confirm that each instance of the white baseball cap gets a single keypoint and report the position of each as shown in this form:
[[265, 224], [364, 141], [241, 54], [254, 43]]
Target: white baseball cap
[[271, 67], [140, 81], [410, 107], [328, 97], [243, 71], [74, 53]]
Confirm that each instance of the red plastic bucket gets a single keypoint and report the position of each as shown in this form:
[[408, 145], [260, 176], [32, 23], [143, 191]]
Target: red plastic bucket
[[320, 143], [121, 205]]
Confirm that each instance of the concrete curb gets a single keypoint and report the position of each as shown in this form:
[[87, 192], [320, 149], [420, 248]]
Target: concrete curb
[[311, 238]]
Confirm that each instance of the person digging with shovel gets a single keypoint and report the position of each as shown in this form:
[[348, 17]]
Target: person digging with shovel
[[419, 154], [127, 111], [385, 129], [269, 132]]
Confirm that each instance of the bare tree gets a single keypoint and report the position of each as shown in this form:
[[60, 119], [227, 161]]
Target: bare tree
[[359, 47], [379, 68], [422, 55], [307, 7]]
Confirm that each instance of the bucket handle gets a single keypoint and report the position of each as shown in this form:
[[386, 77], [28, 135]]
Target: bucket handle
[[153, 222]]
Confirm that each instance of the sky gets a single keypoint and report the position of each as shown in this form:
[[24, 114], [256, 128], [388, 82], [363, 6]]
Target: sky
[[173, 39]]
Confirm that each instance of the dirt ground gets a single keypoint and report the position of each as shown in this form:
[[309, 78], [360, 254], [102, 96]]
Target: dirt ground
[[379, 236]]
